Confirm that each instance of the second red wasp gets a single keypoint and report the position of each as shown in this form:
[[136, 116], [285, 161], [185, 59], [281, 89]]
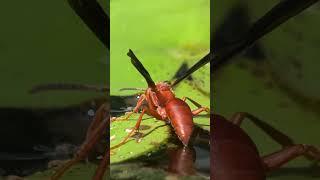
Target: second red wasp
[[160, 102]]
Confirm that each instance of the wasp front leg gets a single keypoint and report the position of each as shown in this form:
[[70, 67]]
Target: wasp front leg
[[103, 166], [154, 108], [135, 110], [136, 127], [95, 132]]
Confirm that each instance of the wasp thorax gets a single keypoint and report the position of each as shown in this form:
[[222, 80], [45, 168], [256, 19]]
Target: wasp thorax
[[163, 86], [165, 93]]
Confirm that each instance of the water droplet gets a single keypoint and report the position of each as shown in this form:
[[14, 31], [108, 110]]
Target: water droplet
[[91, 112], [99, 157]]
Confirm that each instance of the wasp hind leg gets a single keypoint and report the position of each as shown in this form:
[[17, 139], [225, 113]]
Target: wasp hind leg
[[95, 132], [200, 108]]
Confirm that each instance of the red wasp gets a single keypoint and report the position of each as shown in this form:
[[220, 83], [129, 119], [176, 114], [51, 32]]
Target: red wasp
[[235, 156], [159, 101], [97, 129]]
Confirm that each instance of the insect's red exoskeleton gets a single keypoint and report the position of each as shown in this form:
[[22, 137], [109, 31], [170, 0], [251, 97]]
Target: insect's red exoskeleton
[[232, 150], [159, 101]]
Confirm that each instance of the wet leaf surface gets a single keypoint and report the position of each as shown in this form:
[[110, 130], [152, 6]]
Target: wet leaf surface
[[148, 141], [78, 172], [141, 145]]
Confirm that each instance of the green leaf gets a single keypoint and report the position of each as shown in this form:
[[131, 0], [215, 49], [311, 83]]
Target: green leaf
[[79, 171], [138, 171], [153, 134]]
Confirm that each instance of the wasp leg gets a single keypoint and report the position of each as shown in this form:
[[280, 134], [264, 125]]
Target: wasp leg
[[102, 168], [132, 131], [100, 114], [287, 143], [279, 158], [135, 110], [200, 108], [93, 136], [275, 134]]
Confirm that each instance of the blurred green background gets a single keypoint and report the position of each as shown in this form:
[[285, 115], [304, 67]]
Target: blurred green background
[[276, 80], [163, 35], [46, 42]]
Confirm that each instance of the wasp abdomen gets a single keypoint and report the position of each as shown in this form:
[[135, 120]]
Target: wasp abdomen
[[180, 116]]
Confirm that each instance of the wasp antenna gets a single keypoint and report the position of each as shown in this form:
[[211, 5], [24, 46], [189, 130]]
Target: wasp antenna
[[195, 67], [126, 89], [61, 86], [138, 65], [93, 15], [279, 14]]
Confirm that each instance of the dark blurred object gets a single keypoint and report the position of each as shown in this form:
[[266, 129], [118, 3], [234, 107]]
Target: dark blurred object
[[279, 14], [21, 129], [22, 164], [182, 69], [236, 25], [13, 177], [97, 133], [181, 161], [29, 138], [95, 18]]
